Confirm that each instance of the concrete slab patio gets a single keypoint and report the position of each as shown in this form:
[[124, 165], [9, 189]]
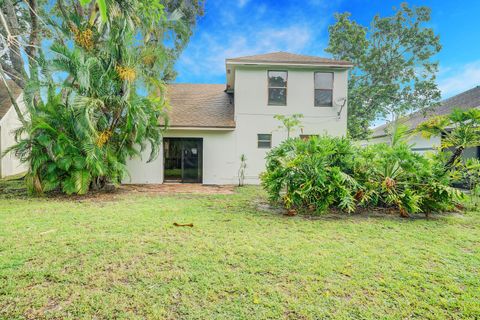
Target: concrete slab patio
[[176, 188]]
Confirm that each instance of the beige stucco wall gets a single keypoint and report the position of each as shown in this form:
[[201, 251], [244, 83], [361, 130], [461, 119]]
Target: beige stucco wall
[[219, 164], [254, 116], [222, 149], [9, 164], [142, 172]]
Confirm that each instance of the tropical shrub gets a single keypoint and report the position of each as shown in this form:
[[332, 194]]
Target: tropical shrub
[[459, 130], [469, 177], [311, 174], [396, 177], [330, 172], [99, 97], [72, 148]]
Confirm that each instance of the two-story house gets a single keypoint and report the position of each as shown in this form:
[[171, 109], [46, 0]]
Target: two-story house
[[212, 125]]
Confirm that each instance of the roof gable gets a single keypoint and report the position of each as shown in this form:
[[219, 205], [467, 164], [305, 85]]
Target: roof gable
[[289, 58]]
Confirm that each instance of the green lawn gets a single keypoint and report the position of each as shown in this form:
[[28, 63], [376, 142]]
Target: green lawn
[[123, 258]]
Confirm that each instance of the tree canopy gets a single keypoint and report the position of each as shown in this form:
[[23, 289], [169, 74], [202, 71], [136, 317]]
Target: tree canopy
[[394, 69], [94, 85]]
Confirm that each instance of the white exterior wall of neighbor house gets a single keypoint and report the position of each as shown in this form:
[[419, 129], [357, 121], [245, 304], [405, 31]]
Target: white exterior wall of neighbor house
[[423, 145], [10, 165], [254, 116], [419, 144]]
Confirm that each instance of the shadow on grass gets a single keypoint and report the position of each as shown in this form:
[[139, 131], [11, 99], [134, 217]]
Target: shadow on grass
[[262, 205], [14, 188], [245, 200]]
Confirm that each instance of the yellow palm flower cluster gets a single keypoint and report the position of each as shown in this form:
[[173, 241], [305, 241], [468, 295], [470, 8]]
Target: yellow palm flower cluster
[[83, 38], [126, 73], [103, 138], [149, 59]]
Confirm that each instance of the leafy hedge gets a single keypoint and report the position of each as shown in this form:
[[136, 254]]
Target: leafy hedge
[[331, 172]]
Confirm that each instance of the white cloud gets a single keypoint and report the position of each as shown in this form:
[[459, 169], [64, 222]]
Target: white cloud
[[210, 52], [235, 28], [456, 80]]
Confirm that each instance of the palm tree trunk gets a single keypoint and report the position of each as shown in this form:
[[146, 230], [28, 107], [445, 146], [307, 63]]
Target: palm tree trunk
[[456, 154]]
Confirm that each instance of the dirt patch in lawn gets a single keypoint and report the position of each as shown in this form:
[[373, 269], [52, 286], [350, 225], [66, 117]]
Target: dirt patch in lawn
[[363, 213], [176, 188], [15, 188], [150, 190]]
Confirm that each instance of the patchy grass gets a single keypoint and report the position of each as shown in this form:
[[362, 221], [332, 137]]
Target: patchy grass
[[123, 258], [12, 187]]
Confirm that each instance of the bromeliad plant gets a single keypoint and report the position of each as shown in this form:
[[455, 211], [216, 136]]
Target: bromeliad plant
[[329, 172]]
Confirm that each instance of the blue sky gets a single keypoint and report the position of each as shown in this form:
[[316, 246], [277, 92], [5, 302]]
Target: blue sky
[[243, 27]]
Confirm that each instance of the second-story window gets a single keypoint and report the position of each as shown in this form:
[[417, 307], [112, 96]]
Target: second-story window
[[277, 88], [323, 89]]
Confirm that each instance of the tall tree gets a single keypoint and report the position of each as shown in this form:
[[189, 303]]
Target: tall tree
[[20, 31], [394, 69], [24, 24], [108, 94]]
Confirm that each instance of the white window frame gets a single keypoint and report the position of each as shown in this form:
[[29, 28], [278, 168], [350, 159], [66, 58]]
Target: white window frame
[[269, 141], [269, 87], [315, 89]]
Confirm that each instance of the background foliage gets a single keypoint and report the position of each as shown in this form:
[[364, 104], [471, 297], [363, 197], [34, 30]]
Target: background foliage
[[394, 72], [459, 130]]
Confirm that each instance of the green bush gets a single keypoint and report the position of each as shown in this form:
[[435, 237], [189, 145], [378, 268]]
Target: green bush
[[329, 172], [469, 177], [62, 153]]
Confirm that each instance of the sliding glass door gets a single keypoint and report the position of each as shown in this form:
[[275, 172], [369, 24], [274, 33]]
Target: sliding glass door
[[183, 159]]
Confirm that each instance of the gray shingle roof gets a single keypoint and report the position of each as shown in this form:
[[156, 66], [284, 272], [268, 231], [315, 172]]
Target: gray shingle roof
[[200, 106], [5, 103], [287, 58], [465, 100]]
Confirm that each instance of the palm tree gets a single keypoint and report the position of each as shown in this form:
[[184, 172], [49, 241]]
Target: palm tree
[[459, 130], [91, 122]]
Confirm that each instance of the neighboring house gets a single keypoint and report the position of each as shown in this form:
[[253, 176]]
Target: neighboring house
[[465, 100], [9, 164], [212, 125]]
